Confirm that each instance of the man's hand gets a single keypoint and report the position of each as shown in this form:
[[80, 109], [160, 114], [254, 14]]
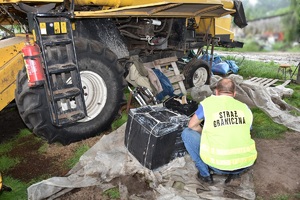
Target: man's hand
[[194, 124]]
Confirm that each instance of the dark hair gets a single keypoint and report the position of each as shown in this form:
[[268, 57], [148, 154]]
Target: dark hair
[[226, 85]]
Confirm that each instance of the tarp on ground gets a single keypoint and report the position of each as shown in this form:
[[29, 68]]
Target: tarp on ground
[[109, 158]]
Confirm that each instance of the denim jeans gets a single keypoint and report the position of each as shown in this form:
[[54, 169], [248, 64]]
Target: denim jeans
[[191, 140]]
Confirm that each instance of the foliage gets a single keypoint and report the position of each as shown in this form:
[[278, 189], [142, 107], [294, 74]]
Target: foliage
[[292, 22], [285, 46], [264, 8], [112, 193], [77, 154]]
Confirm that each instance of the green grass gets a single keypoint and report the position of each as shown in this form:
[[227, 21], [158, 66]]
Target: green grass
[[77, 154], [294, 100], [18, 189], [24, 132], [281, 197], [264, 127], [6, 147], [119, 122], [43, 148], [248, 68], [7, 162], [112, 193]]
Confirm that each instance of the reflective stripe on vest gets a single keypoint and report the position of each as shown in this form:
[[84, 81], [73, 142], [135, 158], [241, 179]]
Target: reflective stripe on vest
[[238, 162], [226, 143], [216, 151]]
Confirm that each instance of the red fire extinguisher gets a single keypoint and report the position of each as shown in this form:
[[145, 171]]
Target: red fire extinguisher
[[33, 64]]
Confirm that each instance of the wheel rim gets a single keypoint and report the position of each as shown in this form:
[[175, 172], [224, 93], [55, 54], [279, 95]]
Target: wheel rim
[[94, 92], [200, 77]]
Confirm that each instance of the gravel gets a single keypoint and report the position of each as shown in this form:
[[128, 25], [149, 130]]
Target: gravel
[[292, 58]]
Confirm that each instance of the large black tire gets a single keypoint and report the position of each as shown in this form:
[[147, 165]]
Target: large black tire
[[92, 59], [196, 73]]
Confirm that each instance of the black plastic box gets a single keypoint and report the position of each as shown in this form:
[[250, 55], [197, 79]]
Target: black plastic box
[[153, 135]]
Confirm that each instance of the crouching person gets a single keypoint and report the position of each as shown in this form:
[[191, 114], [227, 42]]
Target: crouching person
[[223, 145]]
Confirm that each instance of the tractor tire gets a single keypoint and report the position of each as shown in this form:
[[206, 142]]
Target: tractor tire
[[196, 73], [103, 82]]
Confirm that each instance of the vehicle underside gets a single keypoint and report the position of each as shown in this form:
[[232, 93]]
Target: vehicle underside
[[85, 49]]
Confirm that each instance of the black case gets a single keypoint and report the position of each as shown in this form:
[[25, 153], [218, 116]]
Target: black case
[[153, 135]]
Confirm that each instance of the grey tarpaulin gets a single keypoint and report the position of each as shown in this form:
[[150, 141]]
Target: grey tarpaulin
[[109, 158], [268, 99]]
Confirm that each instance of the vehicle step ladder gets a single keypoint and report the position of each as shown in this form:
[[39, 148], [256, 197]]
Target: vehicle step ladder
[[54, 35]]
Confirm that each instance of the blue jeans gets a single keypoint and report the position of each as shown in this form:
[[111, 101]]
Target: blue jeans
[[191, 140]]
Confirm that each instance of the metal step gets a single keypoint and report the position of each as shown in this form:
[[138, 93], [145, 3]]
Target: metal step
[[66, 103], [70, 117], [61, 68], [62, 41], [66, 93]]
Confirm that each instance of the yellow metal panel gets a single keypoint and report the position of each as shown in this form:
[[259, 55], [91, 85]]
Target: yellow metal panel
[[9, 48], [228, 4], [123, 3], [206, 26], [223, 25], [11, 62], [8, 75], [7, 96], [161, 9]]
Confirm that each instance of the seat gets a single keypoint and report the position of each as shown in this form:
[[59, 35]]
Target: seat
[[284, 69]]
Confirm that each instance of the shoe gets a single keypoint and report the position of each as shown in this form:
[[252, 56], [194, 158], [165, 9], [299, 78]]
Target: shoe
[[207, 179], [233, 180]]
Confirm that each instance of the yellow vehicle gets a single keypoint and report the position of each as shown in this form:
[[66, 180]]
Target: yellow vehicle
[[85, 46]]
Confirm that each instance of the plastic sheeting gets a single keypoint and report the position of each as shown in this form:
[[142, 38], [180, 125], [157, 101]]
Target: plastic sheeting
[[269, 99], [109, 158]]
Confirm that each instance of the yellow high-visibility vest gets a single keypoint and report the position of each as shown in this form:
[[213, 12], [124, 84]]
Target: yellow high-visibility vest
[[226, 142]]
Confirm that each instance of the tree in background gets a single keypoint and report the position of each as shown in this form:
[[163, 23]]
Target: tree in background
[[292, 22], [265, 8]]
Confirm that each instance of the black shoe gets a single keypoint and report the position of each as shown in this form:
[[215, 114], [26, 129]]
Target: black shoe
[[207, 179], [233, 180]]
